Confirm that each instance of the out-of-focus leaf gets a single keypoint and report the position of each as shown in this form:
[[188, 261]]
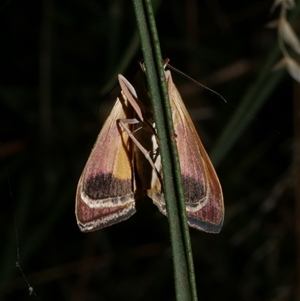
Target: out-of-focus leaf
[[293, 69], [272, 24], [288, 34], [287, 4], [292, 66], [279, 65]]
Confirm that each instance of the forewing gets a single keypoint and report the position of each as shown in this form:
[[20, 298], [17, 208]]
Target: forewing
[[202, 189], [105, 192]]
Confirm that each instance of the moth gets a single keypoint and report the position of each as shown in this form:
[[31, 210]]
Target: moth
[[125, 164]]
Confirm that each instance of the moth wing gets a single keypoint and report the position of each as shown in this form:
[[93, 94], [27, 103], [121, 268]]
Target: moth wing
[[105, 192], [202, 189]]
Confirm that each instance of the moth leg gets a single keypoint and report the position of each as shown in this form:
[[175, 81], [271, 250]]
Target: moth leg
[[123, 123]]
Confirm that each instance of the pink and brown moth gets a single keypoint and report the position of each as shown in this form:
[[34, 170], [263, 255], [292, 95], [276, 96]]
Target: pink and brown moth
[[125, 164]]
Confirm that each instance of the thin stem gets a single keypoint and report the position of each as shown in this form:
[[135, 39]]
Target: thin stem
[[174, 154], [155, 75]]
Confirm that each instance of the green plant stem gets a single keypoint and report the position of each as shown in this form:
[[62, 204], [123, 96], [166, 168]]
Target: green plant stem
[[154, 73], [174, 156]]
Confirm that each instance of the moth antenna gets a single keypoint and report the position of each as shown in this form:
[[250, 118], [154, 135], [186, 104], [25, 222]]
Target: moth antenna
[[196, 82]]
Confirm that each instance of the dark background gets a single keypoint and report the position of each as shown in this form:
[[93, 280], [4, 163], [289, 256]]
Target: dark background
[[58, 62]]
